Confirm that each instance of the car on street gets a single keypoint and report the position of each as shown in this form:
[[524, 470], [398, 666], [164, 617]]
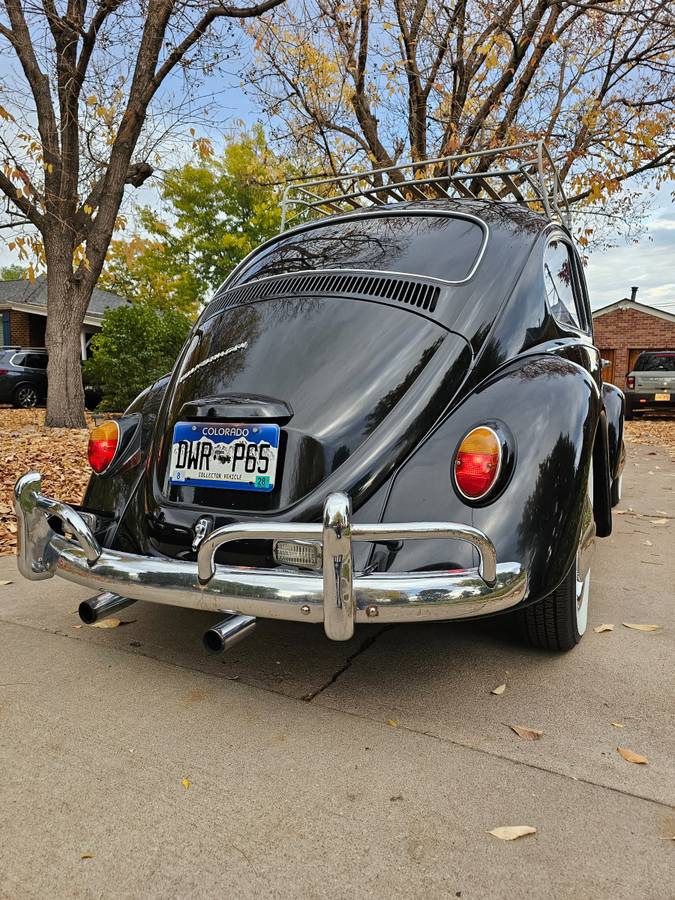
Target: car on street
[[391, 412], [651, 384], [23, 376]]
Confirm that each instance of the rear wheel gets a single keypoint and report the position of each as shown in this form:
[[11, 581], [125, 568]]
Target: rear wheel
[[559, 621], [26, 396]]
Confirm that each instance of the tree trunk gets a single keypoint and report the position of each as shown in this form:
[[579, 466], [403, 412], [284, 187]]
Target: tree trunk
[[66, 308]]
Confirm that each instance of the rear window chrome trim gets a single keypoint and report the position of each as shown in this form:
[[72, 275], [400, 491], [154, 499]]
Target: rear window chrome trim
[[231, 280]]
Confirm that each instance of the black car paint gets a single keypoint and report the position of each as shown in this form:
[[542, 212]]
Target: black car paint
[[505, 359]]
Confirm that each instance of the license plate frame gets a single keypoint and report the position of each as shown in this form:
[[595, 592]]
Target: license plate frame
[[206, 454], [662, 396]]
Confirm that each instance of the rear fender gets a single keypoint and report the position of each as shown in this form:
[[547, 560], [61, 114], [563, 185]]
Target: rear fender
[[107, 497], [614, 403], [551, 408]]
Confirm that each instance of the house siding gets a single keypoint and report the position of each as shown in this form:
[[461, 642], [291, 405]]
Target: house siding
[[624, 330]]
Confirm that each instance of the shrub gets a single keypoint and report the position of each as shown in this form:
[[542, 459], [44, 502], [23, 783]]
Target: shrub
[[136, 345]]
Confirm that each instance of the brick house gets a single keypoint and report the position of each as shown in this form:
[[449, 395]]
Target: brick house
[[625, 328], [23, 307]]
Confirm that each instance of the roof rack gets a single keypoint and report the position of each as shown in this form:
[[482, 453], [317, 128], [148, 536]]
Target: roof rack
[[527, 175]]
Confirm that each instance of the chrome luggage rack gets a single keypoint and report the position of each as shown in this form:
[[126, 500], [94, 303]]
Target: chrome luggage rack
[[527, 176]]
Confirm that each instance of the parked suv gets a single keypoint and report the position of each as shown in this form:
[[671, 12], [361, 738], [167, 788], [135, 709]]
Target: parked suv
[[23, 376], [651, 384]]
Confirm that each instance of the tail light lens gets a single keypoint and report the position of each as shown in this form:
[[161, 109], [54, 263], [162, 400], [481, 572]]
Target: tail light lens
[[103, 443], [477, 463], [630, 382]]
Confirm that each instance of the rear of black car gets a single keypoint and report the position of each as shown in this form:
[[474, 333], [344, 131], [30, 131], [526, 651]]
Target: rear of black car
[[289, 388]]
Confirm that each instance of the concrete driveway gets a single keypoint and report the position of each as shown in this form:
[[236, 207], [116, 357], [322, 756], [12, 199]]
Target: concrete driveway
[[373, 768]]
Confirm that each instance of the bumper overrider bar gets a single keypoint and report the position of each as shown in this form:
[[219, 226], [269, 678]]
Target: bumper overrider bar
[[338, 597]]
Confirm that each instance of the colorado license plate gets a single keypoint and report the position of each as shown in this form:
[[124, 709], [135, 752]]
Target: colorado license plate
[[662, 396], [239, 457]]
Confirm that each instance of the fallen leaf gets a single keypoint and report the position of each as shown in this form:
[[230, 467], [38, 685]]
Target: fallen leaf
[[77, 626], [632, 757], [600, 628], [512, 832], [659, 521], [107, 623], [87, 856], [617, 724], [186, 783], [3, 583], [499, 689], [527, 734], [392, 722], [637, 627]]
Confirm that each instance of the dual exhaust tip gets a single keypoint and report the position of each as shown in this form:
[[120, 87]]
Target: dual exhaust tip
[[217, 639]]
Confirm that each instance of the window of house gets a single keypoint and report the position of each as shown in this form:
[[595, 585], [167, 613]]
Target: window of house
[[559, 280]]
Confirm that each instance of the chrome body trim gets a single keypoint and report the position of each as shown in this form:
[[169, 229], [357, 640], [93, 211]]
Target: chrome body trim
[[337, 597]]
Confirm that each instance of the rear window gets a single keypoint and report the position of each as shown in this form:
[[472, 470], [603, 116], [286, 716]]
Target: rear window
[[656, 362], [441, 246]]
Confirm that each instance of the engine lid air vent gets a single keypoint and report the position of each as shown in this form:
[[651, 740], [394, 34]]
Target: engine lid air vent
[[413, 292]]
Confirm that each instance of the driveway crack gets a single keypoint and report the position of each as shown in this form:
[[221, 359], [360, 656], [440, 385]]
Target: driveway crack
[[369, 641]]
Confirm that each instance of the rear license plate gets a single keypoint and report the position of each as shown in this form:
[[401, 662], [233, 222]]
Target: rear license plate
[[240, 457], [662, 396]]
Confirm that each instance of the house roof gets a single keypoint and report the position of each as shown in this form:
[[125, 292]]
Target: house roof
[[32, 297], [627, 303]]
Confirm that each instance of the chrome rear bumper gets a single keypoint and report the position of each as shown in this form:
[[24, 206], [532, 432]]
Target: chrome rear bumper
[[338, 597]]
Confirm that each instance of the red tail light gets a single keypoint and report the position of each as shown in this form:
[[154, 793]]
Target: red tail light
[[477, 463], [3, 371], [630, 382], [103, 443]]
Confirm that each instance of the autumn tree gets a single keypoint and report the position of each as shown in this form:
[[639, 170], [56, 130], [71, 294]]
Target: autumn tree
[[81, 124], [213, 212], [372, 84]]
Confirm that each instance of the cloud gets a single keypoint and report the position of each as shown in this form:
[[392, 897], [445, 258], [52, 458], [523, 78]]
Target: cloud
[[649, 264]]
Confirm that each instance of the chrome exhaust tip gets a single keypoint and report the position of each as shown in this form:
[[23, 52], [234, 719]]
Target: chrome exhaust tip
[[229, 632], [100, 606]]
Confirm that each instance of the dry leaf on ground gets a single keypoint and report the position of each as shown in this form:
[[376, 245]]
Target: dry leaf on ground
[[659, 521], [512, 832], [527, 734], [600, 628], [392, 722], [185, 782], [4, 583], [107, 623], [632, 757], [499, 689], [87, 856], [617, 724], [637, 627], [60, 454]]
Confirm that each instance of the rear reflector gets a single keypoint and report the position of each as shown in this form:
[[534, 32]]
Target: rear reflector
[[630, 382], [477, 463], [103, 443]]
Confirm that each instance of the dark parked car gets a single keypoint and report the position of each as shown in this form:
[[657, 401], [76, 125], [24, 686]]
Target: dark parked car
[[392, 414], [651, 384], [23, 376]]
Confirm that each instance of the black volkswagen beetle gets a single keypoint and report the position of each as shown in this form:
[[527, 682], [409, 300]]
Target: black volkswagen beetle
[[390, 414]]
